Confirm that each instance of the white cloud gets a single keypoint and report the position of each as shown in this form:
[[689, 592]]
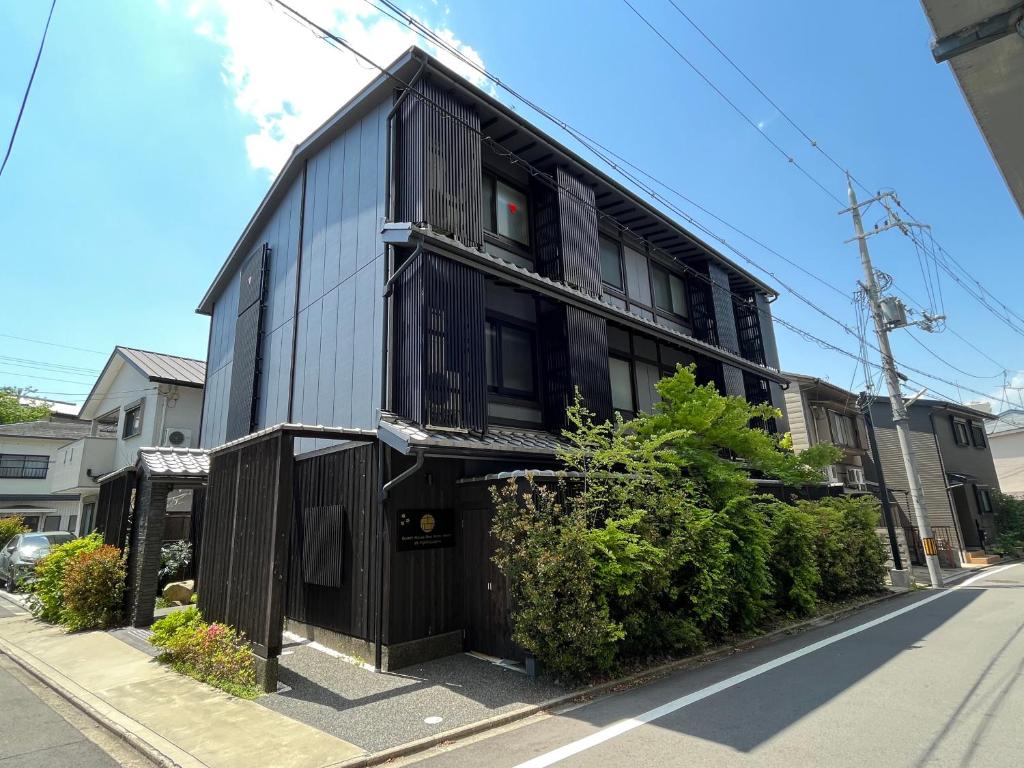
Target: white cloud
[[289, 81]]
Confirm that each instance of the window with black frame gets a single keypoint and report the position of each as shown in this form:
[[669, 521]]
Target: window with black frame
[[505, 210], [621, 372], [511, 352], [16, 466], [669, 291], [132, 421], [961, 434], [977, 435], [611, 263], [984, 499]]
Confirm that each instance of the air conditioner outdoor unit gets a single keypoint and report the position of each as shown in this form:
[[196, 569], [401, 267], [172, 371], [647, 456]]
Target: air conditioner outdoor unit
[[177, 438], [855, 477]]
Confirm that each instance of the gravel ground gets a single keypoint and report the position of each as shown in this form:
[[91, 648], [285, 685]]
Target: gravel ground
[[377, 711]]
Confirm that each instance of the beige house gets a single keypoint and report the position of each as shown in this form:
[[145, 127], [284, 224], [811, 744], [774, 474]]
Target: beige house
[[1006, 438], [821, 412]]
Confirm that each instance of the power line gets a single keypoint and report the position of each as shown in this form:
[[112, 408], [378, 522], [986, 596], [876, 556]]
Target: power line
[[789, 158], [42, 378], [52, 344], [25, 362], [28, 88], [941, 359]]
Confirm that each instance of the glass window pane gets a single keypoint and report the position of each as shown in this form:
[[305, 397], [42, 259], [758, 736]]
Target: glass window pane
[[622, 386], [646, 377], [611, 262], [51, 523], [491, 335], [487, 203], [662, 291], [72, 523], [516, 359], [678, 294], [512, 216]]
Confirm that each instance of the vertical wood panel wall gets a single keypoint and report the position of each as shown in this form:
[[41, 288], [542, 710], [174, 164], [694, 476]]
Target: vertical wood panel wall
[[342, 484], [246, 524], [574, 354], [439, 368], [439, 163], [565, 232]]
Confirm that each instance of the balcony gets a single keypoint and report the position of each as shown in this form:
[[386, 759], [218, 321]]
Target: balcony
[[70, 471]]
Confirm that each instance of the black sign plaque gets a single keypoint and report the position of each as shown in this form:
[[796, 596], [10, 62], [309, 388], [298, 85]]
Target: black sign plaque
[[425, 529]]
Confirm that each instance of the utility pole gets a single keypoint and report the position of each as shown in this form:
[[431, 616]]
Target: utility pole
[[899, 408], [864, 403]]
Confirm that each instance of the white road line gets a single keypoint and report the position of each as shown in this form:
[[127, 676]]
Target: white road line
[[624, 726]]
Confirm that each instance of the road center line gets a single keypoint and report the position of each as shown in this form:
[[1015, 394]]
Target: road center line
[[624, 726]]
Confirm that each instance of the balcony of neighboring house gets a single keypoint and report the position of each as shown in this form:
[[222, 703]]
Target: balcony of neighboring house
[[76, 465]]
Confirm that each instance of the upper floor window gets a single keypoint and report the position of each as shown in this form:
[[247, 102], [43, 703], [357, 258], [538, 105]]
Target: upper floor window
[[843, 430], [510, 359], [611, 263], [984, 499], [506, 210], [977, 434], [19, 466], [669, 291], [621, 372], [961, 434], [132, 421]]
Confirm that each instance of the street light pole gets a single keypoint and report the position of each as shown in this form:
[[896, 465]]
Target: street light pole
[[899, 408]]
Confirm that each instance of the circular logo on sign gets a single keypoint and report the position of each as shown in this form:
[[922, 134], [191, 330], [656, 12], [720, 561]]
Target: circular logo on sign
[[427, 523]]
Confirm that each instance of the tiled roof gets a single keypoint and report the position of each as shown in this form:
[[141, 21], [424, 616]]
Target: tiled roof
[[1008, 421], [166, 368], [174, 462], [404, 435], [515, 474], [64, 429]]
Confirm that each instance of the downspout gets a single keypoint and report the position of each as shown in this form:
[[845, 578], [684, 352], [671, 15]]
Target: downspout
[[386, 359], [298, 284], [382, 506]]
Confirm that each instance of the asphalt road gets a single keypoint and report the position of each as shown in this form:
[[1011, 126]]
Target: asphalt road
[[926, 679], [39, 728]]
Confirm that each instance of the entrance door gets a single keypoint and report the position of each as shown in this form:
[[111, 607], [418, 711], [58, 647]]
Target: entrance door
[[964, 516], [486, 603]]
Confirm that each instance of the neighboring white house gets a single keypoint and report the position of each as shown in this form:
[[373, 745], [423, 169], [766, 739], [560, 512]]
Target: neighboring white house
[[48, 469], [148, 399], [1006, 438], [32, 455]]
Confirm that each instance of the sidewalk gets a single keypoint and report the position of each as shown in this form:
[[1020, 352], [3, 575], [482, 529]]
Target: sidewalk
[[172, 718]]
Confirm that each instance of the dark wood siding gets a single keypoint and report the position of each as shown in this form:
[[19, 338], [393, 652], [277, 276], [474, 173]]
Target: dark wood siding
[[565, 232], [574, 354], [330, 575], [702, 310], [748, 330], [114, 508], [440, 376], [246, 527], [439, 163], [245, 375], [423, 587]]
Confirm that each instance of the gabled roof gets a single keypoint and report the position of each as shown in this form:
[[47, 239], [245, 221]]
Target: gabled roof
[[404, 68], [157, 367], [65, 429], [1007, 421]]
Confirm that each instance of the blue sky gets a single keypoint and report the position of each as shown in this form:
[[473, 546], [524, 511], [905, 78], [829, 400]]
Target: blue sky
[[154, 129]]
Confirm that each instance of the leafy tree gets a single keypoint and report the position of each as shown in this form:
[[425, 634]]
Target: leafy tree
[[13, 412], [1009, 513]]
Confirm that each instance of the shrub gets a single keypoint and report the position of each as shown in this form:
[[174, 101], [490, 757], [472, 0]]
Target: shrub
[[849, 554], [215, 654], [166, 628], [561, 615], [794, 565], [1009, 512], [46, 590], [748, 574], [175, 556], [11, 526], [93, 589]]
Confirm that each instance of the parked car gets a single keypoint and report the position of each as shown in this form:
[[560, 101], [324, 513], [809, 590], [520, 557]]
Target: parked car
[[18, 559]]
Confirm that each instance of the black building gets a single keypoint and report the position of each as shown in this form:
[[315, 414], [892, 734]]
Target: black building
[[433, 303]]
